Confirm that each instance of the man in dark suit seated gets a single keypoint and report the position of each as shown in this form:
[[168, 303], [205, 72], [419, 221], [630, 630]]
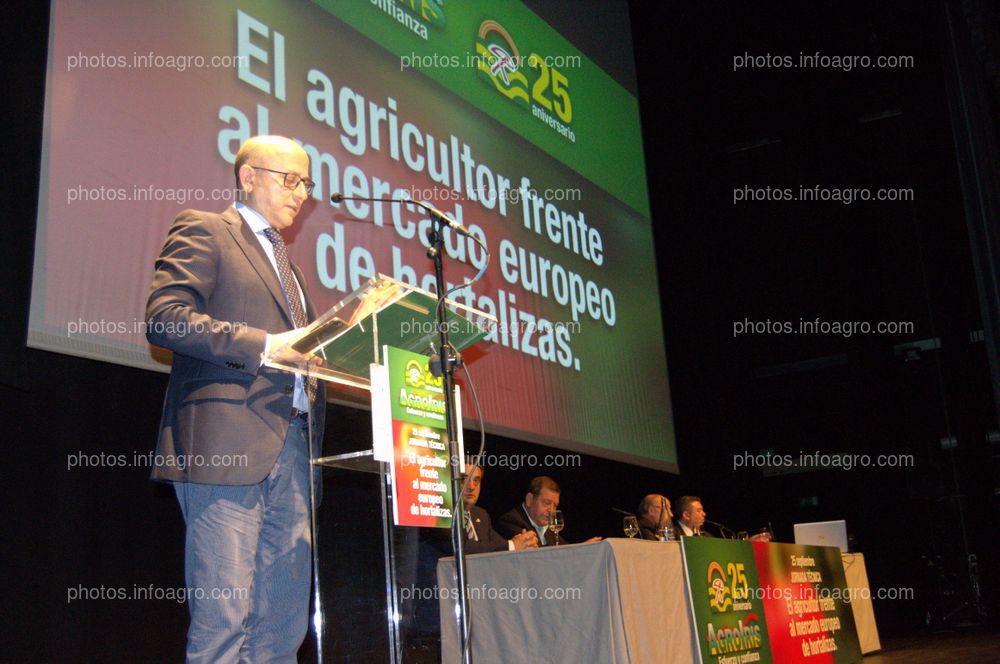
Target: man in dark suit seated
[[692, 517], [652, 515], [479, 534], [535, 512]]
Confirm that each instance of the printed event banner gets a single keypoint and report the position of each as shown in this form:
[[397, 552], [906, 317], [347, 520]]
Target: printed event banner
[[806, 595], [577, 358], [767, 602], [421, 474], [728, 614], [508, 63]]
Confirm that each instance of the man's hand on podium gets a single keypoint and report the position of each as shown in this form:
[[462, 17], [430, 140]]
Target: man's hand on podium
[[280, 345]]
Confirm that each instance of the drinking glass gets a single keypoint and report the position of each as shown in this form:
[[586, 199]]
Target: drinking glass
[[556, 524], [631, 526]]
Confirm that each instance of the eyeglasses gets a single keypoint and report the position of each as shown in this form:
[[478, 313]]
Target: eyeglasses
[[291, 180]]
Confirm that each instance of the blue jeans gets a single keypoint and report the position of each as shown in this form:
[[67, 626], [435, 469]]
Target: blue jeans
[[247, 562]]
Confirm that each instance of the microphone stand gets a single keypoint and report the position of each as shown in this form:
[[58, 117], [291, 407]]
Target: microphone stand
[[435, 238], [665, 518]]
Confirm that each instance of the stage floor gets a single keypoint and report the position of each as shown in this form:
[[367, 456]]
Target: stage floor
[[946, 648]]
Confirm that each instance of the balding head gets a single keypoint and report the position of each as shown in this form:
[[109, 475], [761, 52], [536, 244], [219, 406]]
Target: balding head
[[261, 167], [653, 500], [651, 510], [257, 149]]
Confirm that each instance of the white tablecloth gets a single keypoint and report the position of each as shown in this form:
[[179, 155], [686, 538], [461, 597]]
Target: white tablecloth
[[861, 604], [612, 602]]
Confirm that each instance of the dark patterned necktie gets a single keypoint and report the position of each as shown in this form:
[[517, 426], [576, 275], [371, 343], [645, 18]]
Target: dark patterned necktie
[[291, 290], [470, 530]]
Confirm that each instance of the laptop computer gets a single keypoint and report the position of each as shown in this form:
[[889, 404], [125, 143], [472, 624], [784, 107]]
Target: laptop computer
[[822, 533]]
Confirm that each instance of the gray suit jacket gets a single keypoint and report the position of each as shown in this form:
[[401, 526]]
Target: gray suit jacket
[[214, 297]]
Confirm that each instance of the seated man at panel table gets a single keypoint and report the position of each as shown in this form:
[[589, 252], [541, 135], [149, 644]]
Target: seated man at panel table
[[652, 515], [535, 512], [692, 517], [479, 534]]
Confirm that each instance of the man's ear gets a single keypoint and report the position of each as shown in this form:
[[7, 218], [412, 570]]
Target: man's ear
[[246, 174]]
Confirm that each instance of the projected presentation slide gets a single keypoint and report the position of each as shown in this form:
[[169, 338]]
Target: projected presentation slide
[[479, 109]]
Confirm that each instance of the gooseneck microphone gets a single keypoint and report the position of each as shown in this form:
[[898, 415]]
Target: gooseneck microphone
[[337, 198], [722, 529]]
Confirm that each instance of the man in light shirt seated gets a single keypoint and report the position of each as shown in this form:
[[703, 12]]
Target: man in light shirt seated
[[541, 500]]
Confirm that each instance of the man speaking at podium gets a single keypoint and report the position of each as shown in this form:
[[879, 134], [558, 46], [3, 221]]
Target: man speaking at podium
[[224, 293]]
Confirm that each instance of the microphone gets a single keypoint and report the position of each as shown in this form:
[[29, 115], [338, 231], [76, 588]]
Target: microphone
[[722, 528], [615, 509], [665, 514], [440, 216]]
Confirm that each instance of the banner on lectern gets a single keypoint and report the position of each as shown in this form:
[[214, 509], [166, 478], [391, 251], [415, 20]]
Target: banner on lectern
[[421, 471]]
